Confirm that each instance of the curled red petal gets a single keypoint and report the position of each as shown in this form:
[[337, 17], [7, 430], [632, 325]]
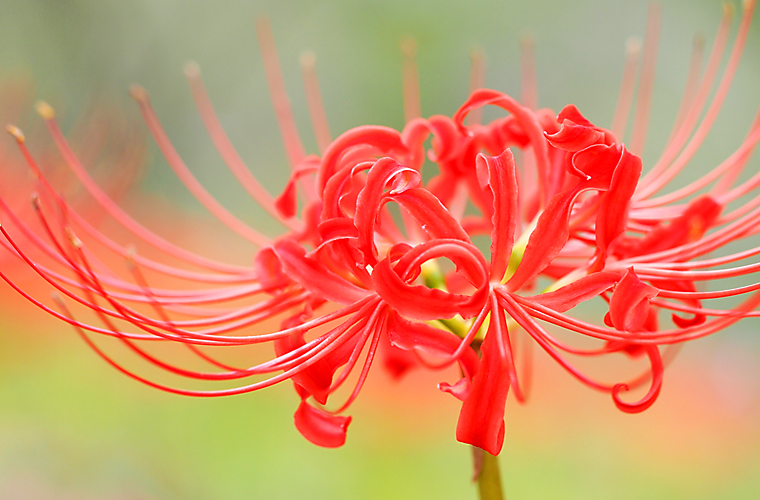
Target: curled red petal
[[314, 380], [287, 202], [396, 361], [690, 226], [383, 140], [320, 427], [313, 276], [612, 216], [386, 172], [528, 120], [569, 296], [268, 269], [419, 302], [423, 303], [338, 228], [414, 336], [446, 137], [460, 389], [573, 137], [597, 163], [502, 182], [551, 233], [629, 304], [682, 286], [570, 112], [481, 420], [430, 213], [654, 390]]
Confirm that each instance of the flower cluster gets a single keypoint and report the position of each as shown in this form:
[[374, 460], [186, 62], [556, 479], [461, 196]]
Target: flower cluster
[[377, 262]]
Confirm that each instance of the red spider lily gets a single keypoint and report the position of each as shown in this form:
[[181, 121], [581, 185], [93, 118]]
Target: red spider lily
[[563, 203]]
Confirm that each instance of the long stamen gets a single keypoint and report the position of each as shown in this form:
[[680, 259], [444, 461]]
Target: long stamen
[[278, 94], [477, 81], [528, 79], [627, 87], [187, 178], [712, 112], [692, 117], [646, 81], [227, 151], [314, 101], [411, 82], [234, 273], [727, 171], [692, 83], [727, 181]]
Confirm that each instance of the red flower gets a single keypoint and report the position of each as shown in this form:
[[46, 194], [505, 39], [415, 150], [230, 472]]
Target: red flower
[[353, 277]]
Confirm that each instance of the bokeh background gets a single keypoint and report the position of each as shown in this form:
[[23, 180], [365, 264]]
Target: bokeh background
[[73, 428]]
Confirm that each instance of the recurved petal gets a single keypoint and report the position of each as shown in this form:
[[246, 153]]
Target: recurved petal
[[414, 336], [502, 182], [420, 302], [287, 202], [481, 420], [629, 304], [385, 173], [570, 112], [314, 380], [269, 269], [573, 137], [313, 276], [320, 427], [569, 296], [430, 214], [383, 140], [546, 241], [612, 216]]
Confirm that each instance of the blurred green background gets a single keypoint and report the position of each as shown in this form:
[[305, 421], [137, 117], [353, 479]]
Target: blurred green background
[[73, 428]]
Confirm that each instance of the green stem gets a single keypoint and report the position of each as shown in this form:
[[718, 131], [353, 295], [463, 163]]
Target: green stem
[[487, 474]]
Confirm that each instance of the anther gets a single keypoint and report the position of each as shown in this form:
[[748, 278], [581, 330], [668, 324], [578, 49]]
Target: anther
[[15, 132], [139, 93], [308, 60], [633, 46], [728, 8], [131, 252], [192, 70], [45, 110], [76, 242]]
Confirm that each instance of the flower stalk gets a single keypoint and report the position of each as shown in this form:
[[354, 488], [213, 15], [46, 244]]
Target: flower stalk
[[488, 475]]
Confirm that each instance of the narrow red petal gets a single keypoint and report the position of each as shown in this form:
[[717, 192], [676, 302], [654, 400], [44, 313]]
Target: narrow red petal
[[629, 304], [612, 216], [502, 182], [320, 427], [287, 202], [430, 213], [314, 276], [385, 141], [385, 173], [413, 336], [573, 137], [569, 296], [481, 420]]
